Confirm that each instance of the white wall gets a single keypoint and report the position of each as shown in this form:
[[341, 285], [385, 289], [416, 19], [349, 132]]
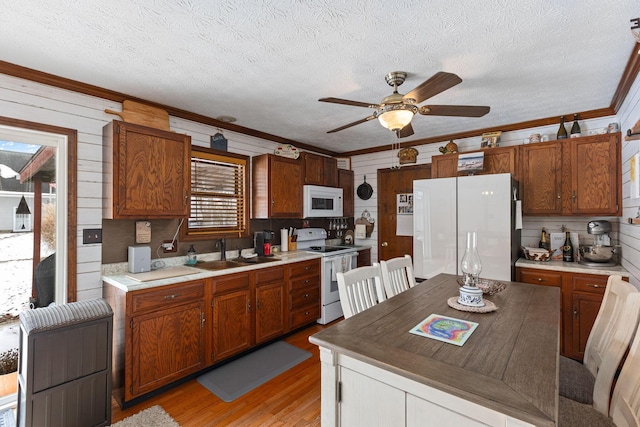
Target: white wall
[[628, 115], [25, 100]]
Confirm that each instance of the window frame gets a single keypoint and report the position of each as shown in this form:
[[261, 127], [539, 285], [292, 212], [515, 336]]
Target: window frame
[[191, 234]]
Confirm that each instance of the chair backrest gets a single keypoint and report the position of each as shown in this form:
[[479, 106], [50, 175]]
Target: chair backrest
[[360, 289], [610, 336], [397, 275], [625, 403]]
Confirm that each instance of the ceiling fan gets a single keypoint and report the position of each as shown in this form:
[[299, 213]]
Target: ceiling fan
[[396, 111]]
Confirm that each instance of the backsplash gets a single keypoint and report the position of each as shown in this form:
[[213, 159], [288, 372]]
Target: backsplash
[[119, 234]]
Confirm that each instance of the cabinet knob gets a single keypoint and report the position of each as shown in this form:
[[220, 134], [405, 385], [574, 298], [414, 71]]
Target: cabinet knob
[[593, 285], [573, 196], [558, 196], [172, 296], [575, 311], [540, 279], [306, 295]]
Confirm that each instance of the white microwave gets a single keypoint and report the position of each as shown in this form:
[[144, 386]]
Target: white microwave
[[321, 201]]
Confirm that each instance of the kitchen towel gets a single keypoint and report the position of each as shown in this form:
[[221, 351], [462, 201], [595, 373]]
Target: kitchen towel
[[284, 240], [340, 264], [518, 214]]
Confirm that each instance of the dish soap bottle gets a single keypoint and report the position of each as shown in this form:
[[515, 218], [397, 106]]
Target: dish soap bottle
[[191, 256]]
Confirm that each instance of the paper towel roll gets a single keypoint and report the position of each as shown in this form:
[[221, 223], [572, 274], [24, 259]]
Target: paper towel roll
[[284, 240]]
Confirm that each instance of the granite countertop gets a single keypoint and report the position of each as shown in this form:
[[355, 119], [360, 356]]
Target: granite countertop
[[117, 274], [573, 267]]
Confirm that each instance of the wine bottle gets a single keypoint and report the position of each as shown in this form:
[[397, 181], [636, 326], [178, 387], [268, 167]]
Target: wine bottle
[[575, 129], [562, 131], [567, 249], [544, 241]]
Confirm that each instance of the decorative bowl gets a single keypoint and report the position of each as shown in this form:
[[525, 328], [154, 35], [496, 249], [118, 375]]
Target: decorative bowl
[[537, 254], [487, 286]]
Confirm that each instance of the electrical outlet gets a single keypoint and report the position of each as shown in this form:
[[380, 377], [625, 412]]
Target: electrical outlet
[[91, 235], [169, 246]]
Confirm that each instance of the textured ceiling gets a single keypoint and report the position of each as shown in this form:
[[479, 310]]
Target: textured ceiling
[[267, 62]]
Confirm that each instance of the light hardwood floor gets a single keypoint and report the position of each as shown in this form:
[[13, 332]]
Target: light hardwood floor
[[290, 399]]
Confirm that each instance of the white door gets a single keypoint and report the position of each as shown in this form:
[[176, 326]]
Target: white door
[[434, 227], [484, 206]]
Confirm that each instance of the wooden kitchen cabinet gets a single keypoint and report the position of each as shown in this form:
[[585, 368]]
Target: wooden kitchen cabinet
[[576, 176], [166, 336], [276, 187], [346, 182], [270, 303], [319, 170], [496, 160], [364, 257], [582, 296], [248, 309], [231, 317], [303, 284], [147, 172]]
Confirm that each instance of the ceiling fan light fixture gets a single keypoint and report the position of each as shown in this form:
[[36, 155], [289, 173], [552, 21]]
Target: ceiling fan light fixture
[[396, 116]]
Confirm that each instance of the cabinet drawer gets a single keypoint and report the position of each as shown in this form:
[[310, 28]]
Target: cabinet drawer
[[303, 283], [166, 297], [230, 283], [305, 316], [541, 277], [589, 283], [266, 275], [305, 268], [304, 297]]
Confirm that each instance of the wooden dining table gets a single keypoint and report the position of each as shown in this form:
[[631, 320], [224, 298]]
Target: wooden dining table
[[375, 372]]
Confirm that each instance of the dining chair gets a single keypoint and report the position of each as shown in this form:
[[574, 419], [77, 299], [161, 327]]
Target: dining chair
[[360, 289], [625, 401], [590, 382], [397, 275]]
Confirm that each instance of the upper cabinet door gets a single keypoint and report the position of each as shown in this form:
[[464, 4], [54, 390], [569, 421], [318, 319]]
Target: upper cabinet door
[[150, 172], [595, 175], [542, 178]]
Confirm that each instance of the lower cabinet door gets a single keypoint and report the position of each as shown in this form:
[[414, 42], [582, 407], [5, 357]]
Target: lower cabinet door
[[269, 311], [231, 323], [585, 311], [167, 345], [367, 402]]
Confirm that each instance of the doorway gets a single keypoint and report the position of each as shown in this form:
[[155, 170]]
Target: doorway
[[393, 184]]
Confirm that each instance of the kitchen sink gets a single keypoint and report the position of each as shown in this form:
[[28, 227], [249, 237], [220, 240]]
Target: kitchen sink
[[238, 262], [256, 260], [219, 265]]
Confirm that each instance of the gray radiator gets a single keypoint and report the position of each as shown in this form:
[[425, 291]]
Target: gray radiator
[[64, 371]]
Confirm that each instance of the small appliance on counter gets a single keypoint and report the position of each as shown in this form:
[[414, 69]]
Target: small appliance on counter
[[262, 242], [600, 254], [139, 259]]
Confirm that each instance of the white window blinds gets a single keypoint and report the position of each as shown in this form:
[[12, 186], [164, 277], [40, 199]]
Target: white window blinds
[[218, 199]]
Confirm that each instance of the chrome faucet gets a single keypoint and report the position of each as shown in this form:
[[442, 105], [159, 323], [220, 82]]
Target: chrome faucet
[[223, 249]]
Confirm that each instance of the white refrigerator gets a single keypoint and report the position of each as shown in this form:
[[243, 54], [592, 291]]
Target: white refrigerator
[[445, 209]]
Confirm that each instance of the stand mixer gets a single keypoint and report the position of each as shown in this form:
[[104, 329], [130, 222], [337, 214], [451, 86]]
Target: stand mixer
[[601, 253]]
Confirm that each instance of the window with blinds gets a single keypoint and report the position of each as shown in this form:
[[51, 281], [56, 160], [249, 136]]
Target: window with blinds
[[219, 194]]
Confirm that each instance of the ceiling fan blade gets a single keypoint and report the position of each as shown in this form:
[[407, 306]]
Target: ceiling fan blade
[[348, 102], [439, 82], [454, 110], [366, 119], [405, 131]]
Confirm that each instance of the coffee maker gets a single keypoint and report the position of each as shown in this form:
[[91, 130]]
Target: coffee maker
[[262, 242]]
